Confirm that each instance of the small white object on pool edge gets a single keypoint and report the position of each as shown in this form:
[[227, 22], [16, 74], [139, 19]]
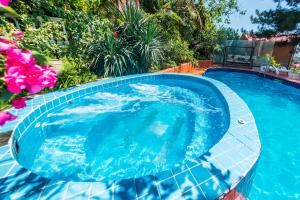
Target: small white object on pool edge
[[241, 121]]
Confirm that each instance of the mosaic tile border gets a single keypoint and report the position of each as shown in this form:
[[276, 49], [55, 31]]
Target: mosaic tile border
[[210, 176]]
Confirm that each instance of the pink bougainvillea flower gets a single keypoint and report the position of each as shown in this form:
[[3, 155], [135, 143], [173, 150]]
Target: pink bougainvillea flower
[[5, 117], [34, 79], [19, 103], [18, 57], [5, 2], [18, 34], [8, 40], [4, 47], [15, 82], [15, 69], [49, 77], [6, 44], [22, 73]]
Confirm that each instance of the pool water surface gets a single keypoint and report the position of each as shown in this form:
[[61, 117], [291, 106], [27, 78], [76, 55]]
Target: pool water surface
[[276, 108], [129, 131]]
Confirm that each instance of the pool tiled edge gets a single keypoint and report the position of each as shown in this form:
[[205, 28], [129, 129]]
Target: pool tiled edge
[[210, 176]]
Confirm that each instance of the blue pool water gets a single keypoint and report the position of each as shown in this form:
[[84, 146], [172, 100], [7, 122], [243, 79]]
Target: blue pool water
[[130, 131], [276, 108]]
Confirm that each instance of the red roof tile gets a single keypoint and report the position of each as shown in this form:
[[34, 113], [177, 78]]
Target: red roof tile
[[276, 38]]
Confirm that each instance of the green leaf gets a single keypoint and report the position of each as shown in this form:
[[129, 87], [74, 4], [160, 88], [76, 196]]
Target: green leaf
[[40, 58], [8, 11]]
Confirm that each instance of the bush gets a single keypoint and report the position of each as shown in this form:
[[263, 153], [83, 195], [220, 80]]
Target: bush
[[148, 48], [49, 39], [142, 35], [111, 56], [75, 72], [84, 30], [134, 48], [178, 52], [176, 48]]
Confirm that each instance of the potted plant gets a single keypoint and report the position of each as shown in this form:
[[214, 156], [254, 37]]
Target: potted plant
[[294, 73]]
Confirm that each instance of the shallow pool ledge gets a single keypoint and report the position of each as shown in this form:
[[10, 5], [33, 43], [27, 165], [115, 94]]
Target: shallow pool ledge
[[212, 175]]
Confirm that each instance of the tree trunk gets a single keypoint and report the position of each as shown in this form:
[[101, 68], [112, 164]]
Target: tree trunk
[[121, 4]]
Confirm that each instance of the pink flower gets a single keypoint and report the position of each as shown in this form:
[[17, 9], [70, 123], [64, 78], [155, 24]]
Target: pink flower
[[23, 73], [40, 79], [18, 57], [34, 79], [4, 47], [18, 34], [6, 44], [15, 83], [49, 77], [5, 2], [5, 117], [19, 103]]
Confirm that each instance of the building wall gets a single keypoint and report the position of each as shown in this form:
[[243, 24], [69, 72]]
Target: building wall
[[283, 53]]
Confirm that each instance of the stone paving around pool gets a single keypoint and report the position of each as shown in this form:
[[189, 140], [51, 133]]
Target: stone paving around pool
[[209, 176]]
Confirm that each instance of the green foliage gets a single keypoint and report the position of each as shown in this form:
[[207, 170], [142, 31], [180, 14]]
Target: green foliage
[[165, 32], [295, 70], [149, 47], [221, 35], [8, 11], [142, 35], [172, 26], [152, 6], [49, 39], [178, 52], [111, 56], [83, 30], [280, 20], [75, 72], [137, 48], [5, 26], [51, 8], [40, 58], [224, 34], [271, 60], [192, 21]]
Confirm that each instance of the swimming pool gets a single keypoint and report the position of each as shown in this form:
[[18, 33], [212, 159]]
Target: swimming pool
[[276, 108], [219, 163], [131, 130]]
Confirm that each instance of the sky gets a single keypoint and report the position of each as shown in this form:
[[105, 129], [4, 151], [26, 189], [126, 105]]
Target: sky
[[243, 21]]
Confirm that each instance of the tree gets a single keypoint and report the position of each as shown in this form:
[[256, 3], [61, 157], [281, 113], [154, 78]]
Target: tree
[[192, 21], [281, 20]]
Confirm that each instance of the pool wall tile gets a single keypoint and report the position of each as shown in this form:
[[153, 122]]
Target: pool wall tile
[[185, 181]]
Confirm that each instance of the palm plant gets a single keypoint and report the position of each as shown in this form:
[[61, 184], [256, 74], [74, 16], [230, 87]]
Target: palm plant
[[149, 47], [143, 37], [136, 48], [133, 22], [111, 57]]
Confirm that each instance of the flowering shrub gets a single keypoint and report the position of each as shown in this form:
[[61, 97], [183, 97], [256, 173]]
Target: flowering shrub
[[4, 2], [5, 117], [19, 72]]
